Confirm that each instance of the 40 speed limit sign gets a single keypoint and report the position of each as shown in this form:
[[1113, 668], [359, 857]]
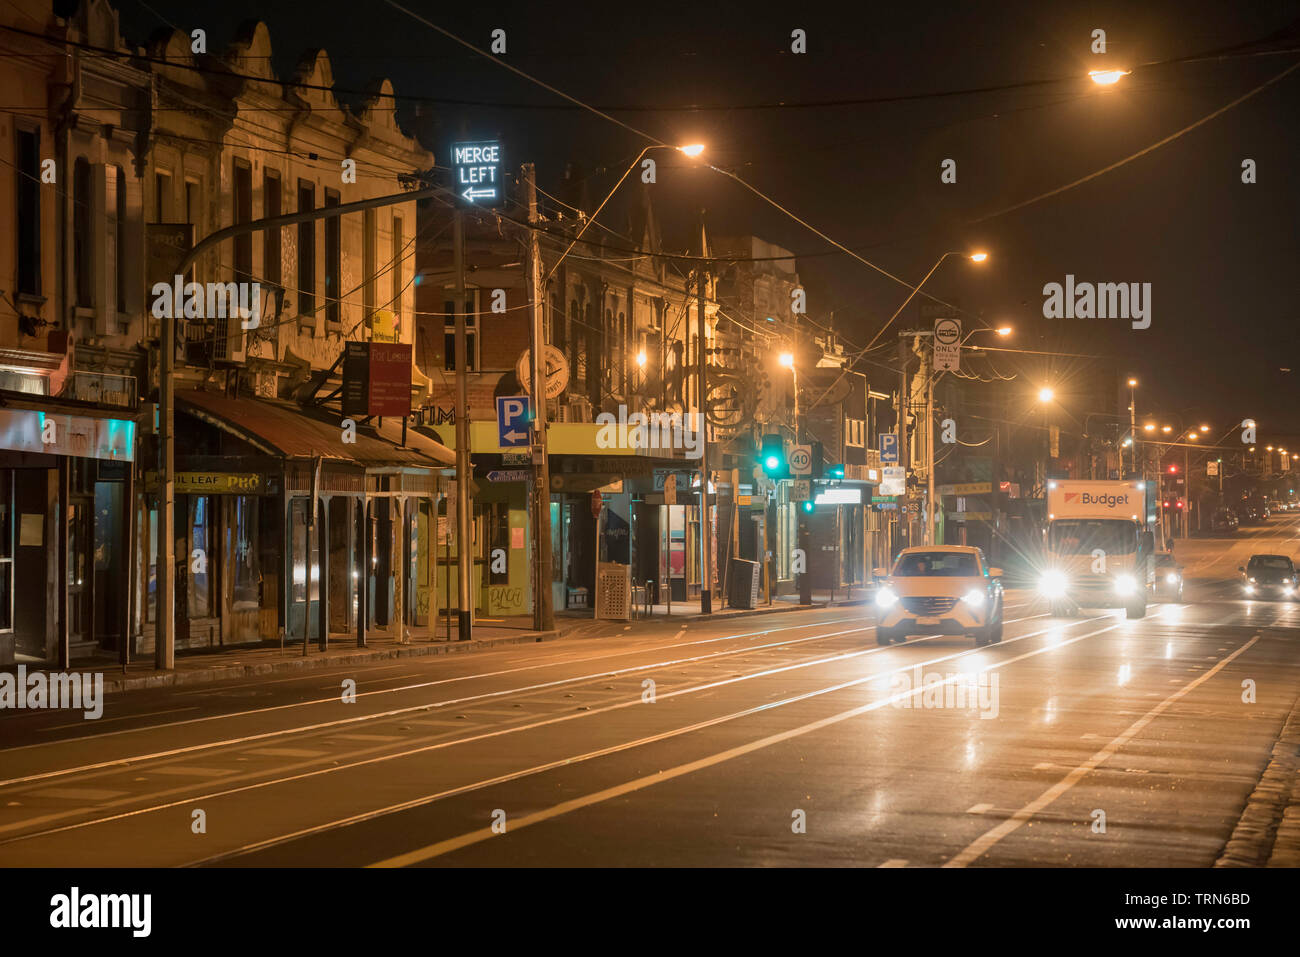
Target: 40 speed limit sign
[[800, 460]]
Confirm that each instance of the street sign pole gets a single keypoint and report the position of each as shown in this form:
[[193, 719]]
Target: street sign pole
[[706, 536], [464, 557], [543, 608]]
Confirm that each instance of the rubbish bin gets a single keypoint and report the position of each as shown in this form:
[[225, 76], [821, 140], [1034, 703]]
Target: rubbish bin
[[742, 583]]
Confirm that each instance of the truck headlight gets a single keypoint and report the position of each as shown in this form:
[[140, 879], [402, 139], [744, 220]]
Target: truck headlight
[[1052, 584], [1171, 579], [1125, 584], [885, 597], [975, 598], [1250, 589]]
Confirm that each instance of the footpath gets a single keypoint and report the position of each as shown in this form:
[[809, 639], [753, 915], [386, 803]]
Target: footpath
[[245, 661]]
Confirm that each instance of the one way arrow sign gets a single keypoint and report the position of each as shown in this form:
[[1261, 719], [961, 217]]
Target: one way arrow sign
[[514, 412]]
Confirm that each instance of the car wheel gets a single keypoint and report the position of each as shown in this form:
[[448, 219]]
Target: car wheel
[[884, 636]]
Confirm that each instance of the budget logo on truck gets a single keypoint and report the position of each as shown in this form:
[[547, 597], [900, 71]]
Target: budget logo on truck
[[1087, 498]]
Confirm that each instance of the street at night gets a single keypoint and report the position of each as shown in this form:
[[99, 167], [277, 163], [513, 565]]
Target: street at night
[[849, 449]]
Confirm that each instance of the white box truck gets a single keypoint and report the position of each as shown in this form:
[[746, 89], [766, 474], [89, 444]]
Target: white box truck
[[1100, 539]]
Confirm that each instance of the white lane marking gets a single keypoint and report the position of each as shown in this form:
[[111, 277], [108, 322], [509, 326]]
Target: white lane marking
[[78, 794], [470, 739], [895, 862], [981, 845], [301, 729], [979, 808], [482, 834], [485, 674], [312, 675], [286, 752], [125, 717], [368, 737], [181, 771]]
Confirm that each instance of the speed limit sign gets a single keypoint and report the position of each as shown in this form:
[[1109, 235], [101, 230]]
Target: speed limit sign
[[801, 460]]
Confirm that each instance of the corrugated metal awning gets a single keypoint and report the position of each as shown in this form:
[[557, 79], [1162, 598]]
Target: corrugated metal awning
[[288, 431]]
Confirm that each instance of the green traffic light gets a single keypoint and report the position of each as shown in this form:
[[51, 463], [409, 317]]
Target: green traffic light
[[771, 462], [807, 505]]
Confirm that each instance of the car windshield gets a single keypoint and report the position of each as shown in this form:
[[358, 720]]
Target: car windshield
[[1271, 562], [1165, 561], [945, 564], [1084, 536]]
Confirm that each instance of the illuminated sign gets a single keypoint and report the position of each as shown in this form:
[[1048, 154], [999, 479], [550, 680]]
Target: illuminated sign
[[477, 168], [57, 434]]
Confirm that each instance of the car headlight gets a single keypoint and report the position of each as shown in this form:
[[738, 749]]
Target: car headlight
[[1053, 584], [1171, 579], [885, 597], [975, 598], [1286, 581], [1252, 580], [1125, 584], [1250, 589]]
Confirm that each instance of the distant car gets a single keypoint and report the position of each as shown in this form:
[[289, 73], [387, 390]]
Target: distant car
[[1224, 520], [1268, 576], [944, 589], [1251, 515], [1169, 577]]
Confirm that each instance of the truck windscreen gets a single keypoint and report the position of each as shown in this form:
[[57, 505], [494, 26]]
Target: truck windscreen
[[1083, 536]]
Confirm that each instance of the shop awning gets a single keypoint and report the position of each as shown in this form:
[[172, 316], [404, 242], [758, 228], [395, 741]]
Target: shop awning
[[286, 430]]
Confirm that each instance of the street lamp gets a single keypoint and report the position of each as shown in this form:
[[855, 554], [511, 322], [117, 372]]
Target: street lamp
[[1132, 423], [1004, 331], [1045, 394], [1045, 397]]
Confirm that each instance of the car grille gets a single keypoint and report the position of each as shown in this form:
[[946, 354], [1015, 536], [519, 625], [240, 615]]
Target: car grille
[[929, 605], [1094, 582]]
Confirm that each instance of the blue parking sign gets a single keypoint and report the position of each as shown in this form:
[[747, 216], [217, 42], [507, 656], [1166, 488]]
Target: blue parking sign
[[888, 447], [513, 421]]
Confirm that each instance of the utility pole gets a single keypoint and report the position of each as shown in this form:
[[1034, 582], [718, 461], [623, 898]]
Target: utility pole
[[706, 538], [929, 450], [903, 402], [543, 609], [464, 556]]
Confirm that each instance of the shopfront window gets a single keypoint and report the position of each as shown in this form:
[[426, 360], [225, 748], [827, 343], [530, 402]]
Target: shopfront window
[[786, 532], [6, 552], [245, 555], [200, 556]]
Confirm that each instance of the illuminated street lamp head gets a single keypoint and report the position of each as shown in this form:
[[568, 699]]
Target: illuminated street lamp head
[[1004, 331], [640, 358], [979, 257], [1132, 383], [1166, 428], [692, 149], [1045, 394], [1269, 447], [1107, 77], [1149, 427], [1193, 435], [787, 360], [1205, 428]]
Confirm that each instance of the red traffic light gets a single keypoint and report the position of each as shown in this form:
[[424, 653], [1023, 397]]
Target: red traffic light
[[1180, 504], [1173, 469]]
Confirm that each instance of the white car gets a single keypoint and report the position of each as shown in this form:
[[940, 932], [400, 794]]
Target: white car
[[943, 589]]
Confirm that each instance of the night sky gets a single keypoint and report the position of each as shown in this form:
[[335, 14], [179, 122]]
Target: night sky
[[1221, 255]]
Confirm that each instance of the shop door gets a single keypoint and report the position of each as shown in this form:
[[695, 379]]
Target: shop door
[[81, 514]]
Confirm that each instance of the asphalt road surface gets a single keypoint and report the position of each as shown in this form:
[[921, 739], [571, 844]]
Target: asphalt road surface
[[769, 740]]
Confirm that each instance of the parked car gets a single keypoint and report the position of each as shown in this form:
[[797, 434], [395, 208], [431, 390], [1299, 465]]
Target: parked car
[[943, 589], [1268, 576], [1251, 514], [1169, 577], [1224, 520]]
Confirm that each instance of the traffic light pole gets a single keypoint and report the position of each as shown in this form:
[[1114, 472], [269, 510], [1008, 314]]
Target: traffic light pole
[[464, 556], [706, 537]]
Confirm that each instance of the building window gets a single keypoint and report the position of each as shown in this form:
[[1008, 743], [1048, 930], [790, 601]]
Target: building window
[[193, 216], [271, 243], [120, 252], [368, 266], [399, 252], [471, 332], [81, 265], [29, 212], [162, 197], [307, 258], [246, 592], [333, 266], [242, 201]]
